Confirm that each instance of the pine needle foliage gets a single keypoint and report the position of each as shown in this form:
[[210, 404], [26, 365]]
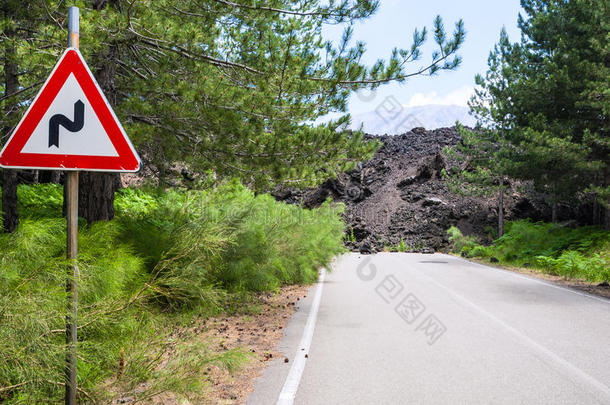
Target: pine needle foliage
[[230, 86], [582, 253], [547, 96], [168, 257]]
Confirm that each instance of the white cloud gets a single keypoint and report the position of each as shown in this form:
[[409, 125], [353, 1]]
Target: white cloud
[[457, 97]]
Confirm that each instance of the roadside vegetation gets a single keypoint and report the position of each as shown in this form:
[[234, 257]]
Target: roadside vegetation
[[542, 111], [167, 258], [573, 253], [542, 120], [236, 98]]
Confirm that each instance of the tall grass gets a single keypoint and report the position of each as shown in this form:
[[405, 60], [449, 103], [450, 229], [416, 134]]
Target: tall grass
[[167, 257]]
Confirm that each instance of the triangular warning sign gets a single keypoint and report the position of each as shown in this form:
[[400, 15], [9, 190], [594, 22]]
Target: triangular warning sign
[[70, 126]]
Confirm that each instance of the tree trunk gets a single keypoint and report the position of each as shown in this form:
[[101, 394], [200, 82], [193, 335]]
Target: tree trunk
[[554, 212], [96, 190], [10, 215], [501, 212], [96, 195], [49, 176], [607, 205], [607, 215], [597, 213], [55, 177]]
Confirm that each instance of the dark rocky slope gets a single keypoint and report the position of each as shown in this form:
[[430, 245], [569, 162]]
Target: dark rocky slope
[[400, 193]]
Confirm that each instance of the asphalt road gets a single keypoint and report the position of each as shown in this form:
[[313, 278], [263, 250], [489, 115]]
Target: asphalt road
[[434, 329]]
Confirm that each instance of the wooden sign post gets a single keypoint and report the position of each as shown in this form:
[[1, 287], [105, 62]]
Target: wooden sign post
[[70, 126], [71, 193]]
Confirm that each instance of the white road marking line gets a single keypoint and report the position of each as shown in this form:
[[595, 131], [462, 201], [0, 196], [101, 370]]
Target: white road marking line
[[546, 283], [291, 385], [567, 366]]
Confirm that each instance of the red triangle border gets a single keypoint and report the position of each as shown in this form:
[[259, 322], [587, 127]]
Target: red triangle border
[[70, 62]]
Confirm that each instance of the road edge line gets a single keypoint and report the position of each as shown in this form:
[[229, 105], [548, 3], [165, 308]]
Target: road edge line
[[293, 379], [532, 278]]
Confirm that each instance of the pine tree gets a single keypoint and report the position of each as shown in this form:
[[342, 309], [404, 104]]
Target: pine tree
[[597, 93], [478, 167], [10, 216], [233, 87], [21, 73], [556, 133], [481, 160]]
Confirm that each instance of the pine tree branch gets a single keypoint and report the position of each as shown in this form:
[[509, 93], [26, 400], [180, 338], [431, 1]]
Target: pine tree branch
[[21, 91], [322, 13], [172, 47], [12, 387], [420, 71], [192, 55]]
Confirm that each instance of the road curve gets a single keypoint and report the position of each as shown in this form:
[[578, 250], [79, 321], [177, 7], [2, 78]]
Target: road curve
[[435, 329]]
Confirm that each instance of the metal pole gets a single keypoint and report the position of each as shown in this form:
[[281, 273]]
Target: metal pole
[[72, 246]]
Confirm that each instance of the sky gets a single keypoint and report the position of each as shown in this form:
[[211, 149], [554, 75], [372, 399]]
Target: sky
[[393, 25]]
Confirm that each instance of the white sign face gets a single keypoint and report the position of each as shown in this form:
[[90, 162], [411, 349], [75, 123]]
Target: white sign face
[[82, 118], [70, 126]]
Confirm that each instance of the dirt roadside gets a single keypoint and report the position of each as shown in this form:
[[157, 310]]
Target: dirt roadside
[[255, 333], [259, 334]]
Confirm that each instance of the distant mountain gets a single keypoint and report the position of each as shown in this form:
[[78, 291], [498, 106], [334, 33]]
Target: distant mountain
[[393, 119]]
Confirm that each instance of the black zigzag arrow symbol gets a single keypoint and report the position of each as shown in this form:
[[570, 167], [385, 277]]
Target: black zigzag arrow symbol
[[72, 126]]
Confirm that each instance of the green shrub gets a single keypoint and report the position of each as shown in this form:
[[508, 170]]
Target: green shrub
[[491, 232], [350, 237], [275, 243], [135, 202], [459, 242], [573, 264], [401, 246], [33, 301], [480, 251], [40, 200], [572, 253], [526, 240], [168, 256]]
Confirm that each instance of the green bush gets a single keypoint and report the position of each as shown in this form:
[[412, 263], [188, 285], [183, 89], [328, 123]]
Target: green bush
[[401, 246], [40, 200], [168, 256], [572, 253], [275, 244], [573, 264], [480, 251], [459, 242], [33, 300], [491, 232], [526, 240]]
